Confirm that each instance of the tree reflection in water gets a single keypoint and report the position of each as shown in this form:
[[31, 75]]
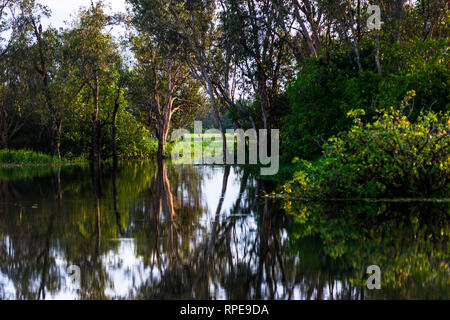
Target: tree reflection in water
[[159, 231]]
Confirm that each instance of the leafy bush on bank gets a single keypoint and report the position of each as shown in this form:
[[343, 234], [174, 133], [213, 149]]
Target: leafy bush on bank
[[391, 157]]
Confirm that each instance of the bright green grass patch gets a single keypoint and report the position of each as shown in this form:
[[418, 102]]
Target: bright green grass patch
[[26, 157], [208, 135]]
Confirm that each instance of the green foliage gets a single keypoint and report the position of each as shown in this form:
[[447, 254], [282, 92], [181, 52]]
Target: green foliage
[[320, 97], [322, 94], [424, 69], [407, 240], [25, 157], [390, 157], [133, 138]]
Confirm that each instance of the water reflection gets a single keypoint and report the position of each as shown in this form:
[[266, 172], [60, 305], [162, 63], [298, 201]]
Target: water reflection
[[158, 231]]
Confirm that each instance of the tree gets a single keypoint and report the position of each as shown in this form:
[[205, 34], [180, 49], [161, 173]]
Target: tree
[[95, 59], [16, 89], [262, 56], [190, 25], [162, 85], [58, 88], [17, 82]]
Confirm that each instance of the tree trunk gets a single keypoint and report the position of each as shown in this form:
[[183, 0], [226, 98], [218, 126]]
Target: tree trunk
[[377, 53], [56, 138], [114, 132], [96, 129], [4, 138], [358, 56], [265, 102], [161, 144], [56, 124], [314, 28], [163, 132], [217, 116]]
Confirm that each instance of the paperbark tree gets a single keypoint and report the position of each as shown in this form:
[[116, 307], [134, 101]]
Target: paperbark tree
[[16, 89], [162, 85], [191, 27], [263, 56], [56, 89], [95, 58]]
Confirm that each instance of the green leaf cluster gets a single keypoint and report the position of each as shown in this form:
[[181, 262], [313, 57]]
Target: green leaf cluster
[[389, 157]]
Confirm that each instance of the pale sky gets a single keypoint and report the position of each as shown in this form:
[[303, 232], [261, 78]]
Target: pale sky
[[65, 10]]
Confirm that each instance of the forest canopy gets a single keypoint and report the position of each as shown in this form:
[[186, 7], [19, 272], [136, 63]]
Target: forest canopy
[[300, 66]]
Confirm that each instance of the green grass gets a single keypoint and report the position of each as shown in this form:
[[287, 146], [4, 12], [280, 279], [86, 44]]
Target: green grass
[[26, 157], [215, 143]]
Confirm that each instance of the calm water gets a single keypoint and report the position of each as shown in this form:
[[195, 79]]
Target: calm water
[[153, 231]]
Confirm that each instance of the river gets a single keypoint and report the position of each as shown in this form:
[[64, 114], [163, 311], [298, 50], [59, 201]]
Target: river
[[161, 231]]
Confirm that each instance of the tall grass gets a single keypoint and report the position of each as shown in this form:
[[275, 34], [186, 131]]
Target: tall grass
[[26, 157]]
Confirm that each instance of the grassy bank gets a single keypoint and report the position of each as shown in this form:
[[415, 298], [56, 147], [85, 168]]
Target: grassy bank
[[14, 158]]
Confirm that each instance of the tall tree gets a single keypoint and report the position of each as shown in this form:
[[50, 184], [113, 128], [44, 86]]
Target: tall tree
[[58, 88], [17, 82], [191, 25], [16, 91], [162, 85], [95, 57], [262, 55]]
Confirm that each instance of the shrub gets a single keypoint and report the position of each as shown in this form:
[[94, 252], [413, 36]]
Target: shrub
[[391, 157], [322, 95]]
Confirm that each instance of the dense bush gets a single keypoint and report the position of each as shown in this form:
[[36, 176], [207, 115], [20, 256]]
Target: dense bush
[[390, 157], [133, 139], [320, 97], [322, 94], [424, 69]]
